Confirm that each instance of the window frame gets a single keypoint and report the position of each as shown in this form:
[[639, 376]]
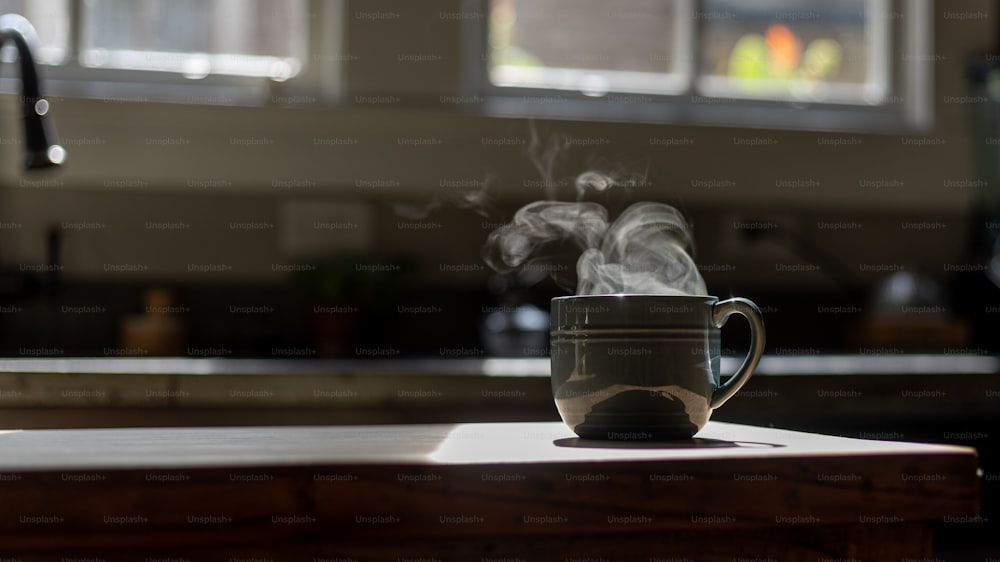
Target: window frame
[[313, 83], [908, 106]]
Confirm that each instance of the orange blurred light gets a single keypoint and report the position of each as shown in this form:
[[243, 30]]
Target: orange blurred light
[[784, 49]]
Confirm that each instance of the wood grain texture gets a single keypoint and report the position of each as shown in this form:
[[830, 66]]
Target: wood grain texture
[[816, 544], [467, 484]]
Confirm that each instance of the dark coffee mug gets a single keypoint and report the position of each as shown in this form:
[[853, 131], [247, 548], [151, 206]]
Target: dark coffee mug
[[641, 367]]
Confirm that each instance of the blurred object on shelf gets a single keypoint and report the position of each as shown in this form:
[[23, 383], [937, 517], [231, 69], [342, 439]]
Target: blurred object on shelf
[[158, 331], [515, 327], [910, 312], [515, 330], [348, 289]]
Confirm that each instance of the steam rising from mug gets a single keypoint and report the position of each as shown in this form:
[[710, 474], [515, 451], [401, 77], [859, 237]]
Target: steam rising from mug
[[644, 250]]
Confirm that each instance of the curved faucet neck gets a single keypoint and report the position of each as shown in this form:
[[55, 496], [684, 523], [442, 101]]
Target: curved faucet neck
[[41, 150]]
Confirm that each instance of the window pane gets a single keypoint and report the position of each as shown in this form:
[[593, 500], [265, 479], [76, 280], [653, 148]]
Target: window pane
[[813, 50], [591, 46], [197, 37], [50, 19]]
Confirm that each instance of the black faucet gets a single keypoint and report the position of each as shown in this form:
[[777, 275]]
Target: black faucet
[[41, 149]]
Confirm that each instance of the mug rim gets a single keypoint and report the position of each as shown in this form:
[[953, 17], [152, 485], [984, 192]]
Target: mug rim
[[635, 296]]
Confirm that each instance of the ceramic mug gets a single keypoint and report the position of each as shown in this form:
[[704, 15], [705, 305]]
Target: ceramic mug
[[641, 367]]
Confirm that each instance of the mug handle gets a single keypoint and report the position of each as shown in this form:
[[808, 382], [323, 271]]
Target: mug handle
[[720, 313]]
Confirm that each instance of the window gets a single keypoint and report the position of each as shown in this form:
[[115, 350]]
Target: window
[[804, 50], [91, 43], [194, 37], [51, 21], [593, 49], [856, 63]]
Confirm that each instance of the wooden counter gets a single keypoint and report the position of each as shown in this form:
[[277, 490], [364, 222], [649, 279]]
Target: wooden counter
[[513, 491]]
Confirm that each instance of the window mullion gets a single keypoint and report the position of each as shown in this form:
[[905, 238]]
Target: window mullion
[[325, 48], [75, 43], [688, 31]]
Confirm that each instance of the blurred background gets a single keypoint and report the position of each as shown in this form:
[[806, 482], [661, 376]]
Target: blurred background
[[317, 179]]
